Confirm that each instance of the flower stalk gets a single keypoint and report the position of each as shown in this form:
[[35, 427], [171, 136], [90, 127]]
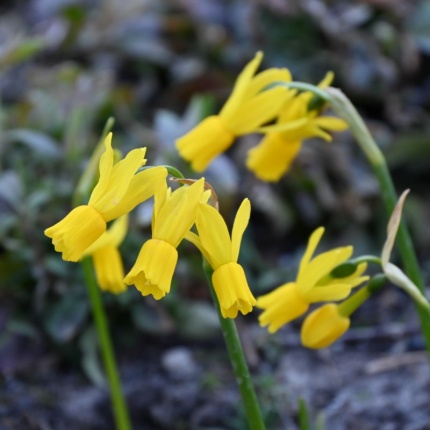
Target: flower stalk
[[237, 358], [343, 107], [121, 416]]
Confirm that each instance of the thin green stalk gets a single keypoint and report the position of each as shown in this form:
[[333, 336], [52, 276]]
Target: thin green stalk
[[237, 358], [122, 419], [304, 421], [341, 104]]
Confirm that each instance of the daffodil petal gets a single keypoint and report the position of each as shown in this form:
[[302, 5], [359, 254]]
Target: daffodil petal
[[240, 223], [272, 157], [141, 187], [241, 86], [111, 237], [283, 127], [266, 78], [331, 123], [214, 235], [160, 197], [178, 214], [328, 293], [294, 109], [119, 182], [105, 168], [281, 306], [195, 240], [260, 109], [205, 142], [109, 269], [313, 242], [320, 266], [327, 80]]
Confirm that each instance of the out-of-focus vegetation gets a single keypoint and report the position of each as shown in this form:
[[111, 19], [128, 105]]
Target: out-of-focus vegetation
[[158, 67]]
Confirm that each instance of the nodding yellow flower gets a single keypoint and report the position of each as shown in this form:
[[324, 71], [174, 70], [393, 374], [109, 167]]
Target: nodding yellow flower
[[174, 214], [273, 156], [118, 191], [107, 259], [222, 253], [324, 326], [249, 106], [313, 284]]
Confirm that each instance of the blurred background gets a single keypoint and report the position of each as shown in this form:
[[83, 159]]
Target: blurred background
[[158, 68]]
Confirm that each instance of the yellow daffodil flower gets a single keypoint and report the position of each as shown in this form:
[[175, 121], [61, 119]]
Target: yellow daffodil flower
[[324, 326], [222, 252], [117, 192], [107, 259], [313, 284], [273, 156], [174, 215], [249, 106]]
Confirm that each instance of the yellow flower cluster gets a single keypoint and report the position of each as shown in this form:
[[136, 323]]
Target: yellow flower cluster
[[257, 100], [313, 284], [120, 189]]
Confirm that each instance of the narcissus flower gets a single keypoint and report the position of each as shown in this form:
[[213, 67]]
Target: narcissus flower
[[107, 259], [273, 156], [118, 191], [313, 284], [222, 253], [250, 106], [324, 326], [174, 214]]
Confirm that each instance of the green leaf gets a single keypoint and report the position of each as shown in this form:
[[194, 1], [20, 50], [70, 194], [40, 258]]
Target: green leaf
[[66, 317], [91, 364], [25, 49], [35, 140]]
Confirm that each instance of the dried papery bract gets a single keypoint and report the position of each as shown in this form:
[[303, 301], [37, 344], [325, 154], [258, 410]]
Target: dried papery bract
[[393, 272]]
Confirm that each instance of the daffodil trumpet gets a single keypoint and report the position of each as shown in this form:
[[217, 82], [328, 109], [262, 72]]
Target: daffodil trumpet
[[326, 324]]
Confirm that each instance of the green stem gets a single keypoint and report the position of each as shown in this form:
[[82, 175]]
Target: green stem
[[238, 361], [304, 421], [341, 104], [352, 303], [350, 266], [366, 259], [173, 171], [122, 419]]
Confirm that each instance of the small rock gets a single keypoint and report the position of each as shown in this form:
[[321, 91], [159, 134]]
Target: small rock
[[179, 363]]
